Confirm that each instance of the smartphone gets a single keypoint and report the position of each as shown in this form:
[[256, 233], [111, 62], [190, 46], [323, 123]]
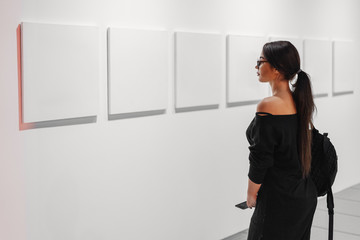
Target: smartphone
[[242, 205]]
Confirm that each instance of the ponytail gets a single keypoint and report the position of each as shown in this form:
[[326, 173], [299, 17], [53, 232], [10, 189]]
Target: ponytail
[[305, 107]]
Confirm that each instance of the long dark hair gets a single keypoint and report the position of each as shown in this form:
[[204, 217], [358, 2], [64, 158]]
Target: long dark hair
[[284, 57]]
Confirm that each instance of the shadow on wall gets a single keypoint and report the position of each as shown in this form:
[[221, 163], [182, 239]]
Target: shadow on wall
[[135, 114], [199, 108], [57, 123]]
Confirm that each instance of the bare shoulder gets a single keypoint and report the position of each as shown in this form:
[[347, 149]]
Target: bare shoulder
[[270, 105]]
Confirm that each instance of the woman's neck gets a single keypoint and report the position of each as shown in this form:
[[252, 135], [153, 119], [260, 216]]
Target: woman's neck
[[280, 87]]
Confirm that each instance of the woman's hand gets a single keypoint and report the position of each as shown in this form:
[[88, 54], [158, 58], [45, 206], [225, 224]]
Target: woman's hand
[[251, 201], [253, 189]]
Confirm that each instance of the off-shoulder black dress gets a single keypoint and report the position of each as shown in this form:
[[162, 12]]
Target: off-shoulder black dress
[[286, 202]]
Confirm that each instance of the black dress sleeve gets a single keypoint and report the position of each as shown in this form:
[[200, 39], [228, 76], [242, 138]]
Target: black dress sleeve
[[262, 141]]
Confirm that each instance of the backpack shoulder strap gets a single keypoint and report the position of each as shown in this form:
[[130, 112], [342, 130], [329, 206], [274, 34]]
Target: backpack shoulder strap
[[330, 206]]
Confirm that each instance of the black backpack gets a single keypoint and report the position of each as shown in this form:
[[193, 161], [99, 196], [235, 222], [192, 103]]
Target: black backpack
[[323, 170]]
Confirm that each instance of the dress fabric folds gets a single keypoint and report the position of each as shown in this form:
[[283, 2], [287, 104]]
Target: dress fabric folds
[[286, 201]]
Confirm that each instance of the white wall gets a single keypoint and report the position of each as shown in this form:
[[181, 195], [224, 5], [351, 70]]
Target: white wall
[[171, 176], [12, 175]]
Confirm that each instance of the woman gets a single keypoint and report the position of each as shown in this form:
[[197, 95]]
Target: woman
[[279, 188]]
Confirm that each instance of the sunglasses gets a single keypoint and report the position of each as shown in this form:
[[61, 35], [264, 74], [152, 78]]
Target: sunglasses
[[259, 62]]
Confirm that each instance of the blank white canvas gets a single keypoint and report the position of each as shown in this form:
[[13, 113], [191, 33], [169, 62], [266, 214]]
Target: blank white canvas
[[60, 71], [297, 42], [243, 83], [138, 70], [345, 66], [199, 63], [318, 64]]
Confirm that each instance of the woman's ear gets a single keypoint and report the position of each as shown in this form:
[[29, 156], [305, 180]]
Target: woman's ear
[[276, 72]]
